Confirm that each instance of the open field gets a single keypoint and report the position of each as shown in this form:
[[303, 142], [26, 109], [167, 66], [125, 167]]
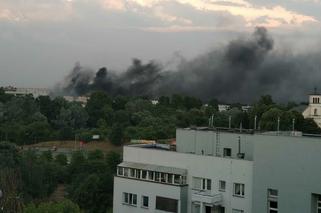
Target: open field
[[72, 145]]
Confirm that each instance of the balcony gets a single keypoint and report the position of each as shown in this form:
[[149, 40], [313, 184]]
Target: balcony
[[206, 197]]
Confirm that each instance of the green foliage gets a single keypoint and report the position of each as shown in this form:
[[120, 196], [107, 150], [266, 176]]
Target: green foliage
[[116, 135], [113, 159], [9, 157], [96, 155], [95, 106], [61, 159], [66, 206]]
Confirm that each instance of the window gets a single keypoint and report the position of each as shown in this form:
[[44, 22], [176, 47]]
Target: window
[[150, 175], [145, 201], [163, 177], [222, 185], [132, 172], [208, 184], [272, 201], [202, 183], [120, 171], [170, 178], [227, 152], [177, 179], [126, 172], [166, 204], [137, 173], [130, 199], [237, 211], [238, 189], [319, 204], [144, 174]]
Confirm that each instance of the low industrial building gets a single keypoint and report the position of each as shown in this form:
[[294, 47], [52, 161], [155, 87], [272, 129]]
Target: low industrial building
[[221, 172]]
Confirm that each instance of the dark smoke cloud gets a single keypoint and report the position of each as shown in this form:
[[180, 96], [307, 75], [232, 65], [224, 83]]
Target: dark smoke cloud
[[241, 71]]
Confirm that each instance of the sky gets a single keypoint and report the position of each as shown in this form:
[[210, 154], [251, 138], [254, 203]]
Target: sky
[[41, 40]]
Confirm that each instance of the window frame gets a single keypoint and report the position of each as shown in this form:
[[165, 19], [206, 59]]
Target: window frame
[[205, 184], [129, 199], [220, 183], [272, 197], [242, 190], [227, 150], [142, 203]]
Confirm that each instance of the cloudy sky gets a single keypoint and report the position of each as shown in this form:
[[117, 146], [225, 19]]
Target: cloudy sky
[[41, 40]]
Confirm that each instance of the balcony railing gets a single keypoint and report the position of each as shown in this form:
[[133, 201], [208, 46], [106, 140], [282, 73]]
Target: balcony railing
[[205, 197]]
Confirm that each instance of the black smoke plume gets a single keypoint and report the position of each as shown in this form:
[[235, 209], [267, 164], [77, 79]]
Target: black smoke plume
[[241, 71]]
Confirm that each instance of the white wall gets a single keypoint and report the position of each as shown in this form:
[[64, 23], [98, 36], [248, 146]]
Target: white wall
[[230, 170], [143, 188]]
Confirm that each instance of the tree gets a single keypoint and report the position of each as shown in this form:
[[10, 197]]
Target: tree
[[116, 135], [61, 159], [9, 157], [11, 200], [119, 102], [177, 101], [191, 102], [164, 101], [95, 106], [65, 206], [269, 120], [266, 100], [86, 193], [213, 103], [113, 159], [96, 155]]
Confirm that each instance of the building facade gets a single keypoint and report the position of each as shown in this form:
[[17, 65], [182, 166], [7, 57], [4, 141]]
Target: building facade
[[35, 92], [313, 111], [221, 172]]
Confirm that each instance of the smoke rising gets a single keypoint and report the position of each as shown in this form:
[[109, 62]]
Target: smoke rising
[[241, 71]]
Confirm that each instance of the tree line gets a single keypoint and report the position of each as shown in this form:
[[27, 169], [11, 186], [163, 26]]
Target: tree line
[[26, 120]]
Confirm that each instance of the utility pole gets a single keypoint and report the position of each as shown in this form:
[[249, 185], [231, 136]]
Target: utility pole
[[255, 120], [229, 121], [278, 130], [293, 125]]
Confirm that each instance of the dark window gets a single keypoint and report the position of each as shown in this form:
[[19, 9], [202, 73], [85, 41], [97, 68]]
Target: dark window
[[145, 202], [166, 204], [227, 152], [273, 201], [209, 184], [222, 185], [144, 174]]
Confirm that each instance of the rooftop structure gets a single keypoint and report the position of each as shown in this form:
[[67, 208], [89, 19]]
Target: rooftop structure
[[213, 171]]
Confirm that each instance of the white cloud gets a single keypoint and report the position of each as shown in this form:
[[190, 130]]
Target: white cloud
[[61, 10]]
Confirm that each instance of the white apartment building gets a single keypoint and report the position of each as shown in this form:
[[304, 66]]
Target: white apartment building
[[221, 172], [35, 92]]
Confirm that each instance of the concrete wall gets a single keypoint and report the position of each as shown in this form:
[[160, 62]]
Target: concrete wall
[[214, 168], [292, 165], [147, 189], [192, 141]]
